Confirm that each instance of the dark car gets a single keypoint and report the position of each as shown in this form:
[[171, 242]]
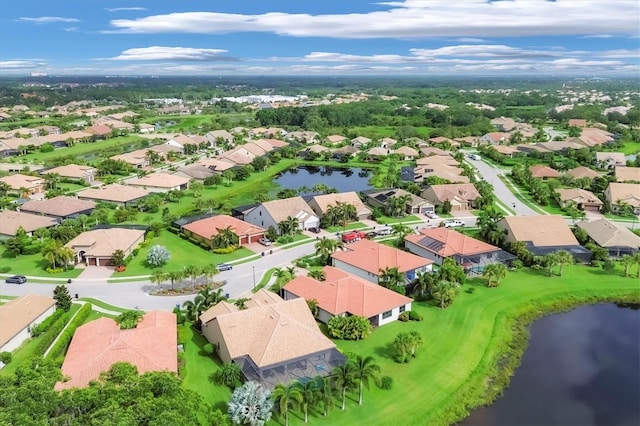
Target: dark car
[[315, 229], [16, 279], [224, 266]]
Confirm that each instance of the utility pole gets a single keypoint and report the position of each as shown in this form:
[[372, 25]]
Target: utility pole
[[254, 277]]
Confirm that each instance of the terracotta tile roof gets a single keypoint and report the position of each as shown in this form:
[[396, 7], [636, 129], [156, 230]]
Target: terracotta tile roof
[[159, 180], [320, 203], [540, 171], [294, 207], [335, 138], [452, 192], [497, 136], [344, 293], [114, 193], [61, 206], [627, 174], [378, 151], [72, 171], [582, 172], [444, 159], [624, 192], [613, 157], [579, 196], [17, 181], [216, 164], [451, 242], [541, 231], [103, 242], [610, 234], [577, 122], [97, 345], [272, 333], [238, 155], [206, 228], [18, 313], [10, 221], [428, 151], [371, 256]]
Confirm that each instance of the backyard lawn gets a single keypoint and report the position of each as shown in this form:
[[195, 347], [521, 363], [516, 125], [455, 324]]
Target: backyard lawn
[[183, 253], [34, 264]]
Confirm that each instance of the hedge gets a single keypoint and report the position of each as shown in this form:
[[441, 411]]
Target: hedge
[[50, 335], [44, 325], [60, 347]]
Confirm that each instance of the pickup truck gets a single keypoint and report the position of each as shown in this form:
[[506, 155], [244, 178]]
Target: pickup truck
[[351, 236]]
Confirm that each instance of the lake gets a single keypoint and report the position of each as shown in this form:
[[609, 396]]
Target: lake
[[342, 179], [581, 368]]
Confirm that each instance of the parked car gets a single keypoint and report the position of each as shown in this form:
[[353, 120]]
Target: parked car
[[474, 156], [16, 279], [351, 236], [453, 223], [315, 229], [432, 215], [385, 230], [224, 266], [371, 234], [265, 241]]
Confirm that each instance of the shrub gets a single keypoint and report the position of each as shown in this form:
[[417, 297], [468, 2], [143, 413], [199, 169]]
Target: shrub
[[208, 349], [50, 335], [386, 382], [54, 270], [44, 325], [470, 290], [5, 269], [135, 251], [5, 357], [10, 254], [224, 250], [285, 239], [32, 249], [60, 347], [349, 328], [121, 268], [158, 255], [414, 316], [182, 335], [404, 316]]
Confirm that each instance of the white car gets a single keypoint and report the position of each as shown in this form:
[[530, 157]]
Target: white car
[[453, 223], [432, 215]]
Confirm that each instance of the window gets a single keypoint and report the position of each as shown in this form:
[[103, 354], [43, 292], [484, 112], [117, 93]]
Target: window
[[402, 308], [260, 213], [386, 315]]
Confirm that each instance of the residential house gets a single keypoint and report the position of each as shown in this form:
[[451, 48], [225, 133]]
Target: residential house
[[344, 294], [495, 138], [504, 124], [19, 315], [428, 151], [543, 234], [451, 174], [24, 185], [387, 143], [462, 196], [151, 346], [271, 213], [313, 150], [584, 200], [543, 172], [359, 142], [160, 182], [595, 137], [205, 229], [581, 172], [335, 139], [138, 159], [146, 128], [180, 141], [11, 221], [320, 204], [240, 156], [74, 171], [577, 122], [609, 160], [616, 238], [380, 198], [470, 141], [96, 247], [273, 341], [303, 136], [441, 140], [366, 259], [437, 244], [627, 174], [216, 164], [115, 193], [505, 150], [377, 153], [618, 194], [215, 137], [196, 172], [62, 207], [406, 153], [346, 151], [99, 131], [445, 159]]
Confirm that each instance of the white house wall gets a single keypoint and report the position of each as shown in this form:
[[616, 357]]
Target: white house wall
[[417, 250], [260, 217], [355, 271], [23, 335], [395, 313]]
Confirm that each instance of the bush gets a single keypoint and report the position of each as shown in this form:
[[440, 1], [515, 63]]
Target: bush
[[182, 335], [208, 349], [50, 335], [32, 249], [5, 269], [349, 328], [121, 268], [414, 316], [285, 239], [470, 290], [404, 316], [224, 250], [158, 255], [10, 254], [386, 382], [44, 325], [54, 270], [5, 357], [58, 350]]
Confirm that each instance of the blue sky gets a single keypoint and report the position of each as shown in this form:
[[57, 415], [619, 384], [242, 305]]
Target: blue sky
[[320, 37]]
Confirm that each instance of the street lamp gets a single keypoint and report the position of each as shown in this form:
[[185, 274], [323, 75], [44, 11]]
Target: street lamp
[[254, 277]]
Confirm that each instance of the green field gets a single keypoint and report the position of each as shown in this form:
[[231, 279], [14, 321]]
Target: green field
[[630, 148], [380, 132], [34, 264], [388, 220]]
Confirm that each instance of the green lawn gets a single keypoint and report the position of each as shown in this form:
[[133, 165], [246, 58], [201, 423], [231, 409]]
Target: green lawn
[[630, 148], [380, 132], [387, 220], [349, 226], [460, 342], [34, 264], [71, 187], [183, 253], [104, 305], [198, 367]]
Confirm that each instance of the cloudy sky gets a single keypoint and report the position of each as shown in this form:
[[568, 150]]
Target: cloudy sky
[[320, 37]]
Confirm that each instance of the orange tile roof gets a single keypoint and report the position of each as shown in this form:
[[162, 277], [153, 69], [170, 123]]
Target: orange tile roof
[[206, 228], [541, 171], [97, 345], [453, 242], [342, 293], [372, 257]]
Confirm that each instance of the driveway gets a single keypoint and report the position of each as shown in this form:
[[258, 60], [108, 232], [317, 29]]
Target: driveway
[[96, 273]]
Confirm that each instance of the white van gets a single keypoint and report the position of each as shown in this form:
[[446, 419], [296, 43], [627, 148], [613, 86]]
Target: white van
[[385, 230], [474, 156]]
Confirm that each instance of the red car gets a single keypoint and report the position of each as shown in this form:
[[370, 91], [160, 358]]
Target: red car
[[351, 236]]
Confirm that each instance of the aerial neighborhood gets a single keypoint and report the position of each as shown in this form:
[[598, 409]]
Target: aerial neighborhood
[[314, 248]]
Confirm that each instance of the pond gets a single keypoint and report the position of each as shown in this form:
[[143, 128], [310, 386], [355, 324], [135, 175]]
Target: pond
[[342, 179], [581, 368]]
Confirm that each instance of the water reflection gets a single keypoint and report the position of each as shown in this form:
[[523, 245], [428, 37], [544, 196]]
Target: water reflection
[[341, 178]]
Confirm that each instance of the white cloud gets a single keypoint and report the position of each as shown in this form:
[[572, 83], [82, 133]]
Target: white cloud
[[162, 53], [123, 9], [20, 65], [470, 40], [72, 29], [47, 19], [414, 19]]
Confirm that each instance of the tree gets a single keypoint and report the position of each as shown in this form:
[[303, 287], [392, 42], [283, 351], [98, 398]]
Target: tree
[[174, 276], [157, 256], [423, 283], [225, 237], [563, 258], [392, 279], [62, 297], [197, 188], [286, 397], [451, 271], [353, 327], [52, 180], [309, 392], [488, 223], [627, 261], [344, 379], [550, 260], [129, 319], [229, 375], [289, 226], [158, 277], [250, 404], [365, 369], [317, 274], [325, 247], [56, 254], [405, 346], [400, 230], [494, 273], [325, 394], [117, 258], [444, 292]]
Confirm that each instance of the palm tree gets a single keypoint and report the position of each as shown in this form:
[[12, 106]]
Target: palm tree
[[209, 271], [550, 260], [390, 277], [193, 272], [325, 394], [400, 230], [325, 247], [52, 180], [241, 303], [627, 261], [4, 189], [225, 237], [423, 283], [210, 297], [158, 277], [286, 397], [193, 308], [174, 276], [494, 273], [365, 369], [636, 258], [444, 292], [289, 226], [563, 258], [309, 393], [317, 274], [49, 252], [344, 379], [230, 375]]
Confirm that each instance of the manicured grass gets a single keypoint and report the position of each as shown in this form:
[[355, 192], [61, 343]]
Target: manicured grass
[[7, 297], [630, 148], [347, 227], [34, 264], [265, 279], [183, 253], [94, 315], [379, 132], [387, 220], [459, 342], [522, 195], [71, 187], [104, 305], [198, 367]]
